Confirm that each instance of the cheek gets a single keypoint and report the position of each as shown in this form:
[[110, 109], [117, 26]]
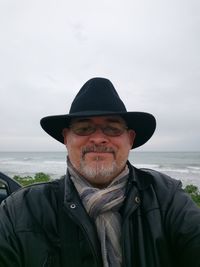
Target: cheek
[[126, 142], [124, 152], [74, 148], [72, 142], [123, 149], [74, 155]]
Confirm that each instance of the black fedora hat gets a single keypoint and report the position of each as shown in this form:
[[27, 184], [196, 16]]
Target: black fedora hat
[[98, 97]]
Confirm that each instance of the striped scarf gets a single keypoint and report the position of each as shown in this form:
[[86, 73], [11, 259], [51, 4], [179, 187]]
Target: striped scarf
[[103, 206]]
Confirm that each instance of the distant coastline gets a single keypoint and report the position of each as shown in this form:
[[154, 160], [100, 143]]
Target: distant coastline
[[180, 165]]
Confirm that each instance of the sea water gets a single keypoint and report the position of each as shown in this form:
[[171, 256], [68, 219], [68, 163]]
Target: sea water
[[184, 166]]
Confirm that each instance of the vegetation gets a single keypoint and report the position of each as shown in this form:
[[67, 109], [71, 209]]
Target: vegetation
[[194, 192], [40, 177]]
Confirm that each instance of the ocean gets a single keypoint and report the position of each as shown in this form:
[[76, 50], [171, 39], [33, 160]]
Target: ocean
[[184, 166]]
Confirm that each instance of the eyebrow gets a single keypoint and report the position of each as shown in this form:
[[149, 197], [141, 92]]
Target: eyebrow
[[108, 119], [115, 119], [80, 120]]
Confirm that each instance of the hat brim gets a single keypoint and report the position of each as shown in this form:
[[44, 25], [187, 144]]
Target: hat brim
[[142, 123]]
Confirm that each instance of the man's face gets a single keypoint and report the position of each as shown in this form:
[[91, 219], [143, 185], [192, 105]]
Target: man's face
[[98, 147]]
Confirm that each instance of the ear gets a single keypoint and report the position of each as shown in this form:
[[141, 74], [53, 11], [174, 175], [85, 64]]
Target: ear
[[65, 134], [132, 135]]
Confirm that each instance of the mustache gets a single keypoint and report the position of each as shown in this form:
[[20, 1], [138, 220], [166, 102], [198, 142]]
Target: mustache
[[98, 149]]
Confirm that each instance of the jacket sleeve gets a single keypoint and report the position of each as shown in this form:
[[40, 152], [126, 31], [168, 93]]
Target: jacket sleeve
[[183, 227], [9, 252]]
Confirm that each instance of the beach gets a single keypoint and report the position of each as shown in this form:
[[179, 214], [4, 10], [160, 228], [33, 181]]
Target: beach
[[184, 166]]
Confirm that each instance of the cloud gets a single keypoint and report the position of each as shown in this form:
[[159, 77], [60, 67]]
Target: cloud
[[149, 50]]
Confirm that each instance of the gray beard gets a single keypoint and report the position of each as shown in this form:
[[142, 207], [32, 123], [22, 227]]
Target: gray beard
[[100, 170]]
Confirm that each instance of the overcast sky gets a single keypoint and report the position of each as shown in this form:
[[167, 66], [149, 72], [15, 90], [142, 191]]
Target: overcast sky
[[148, 49]]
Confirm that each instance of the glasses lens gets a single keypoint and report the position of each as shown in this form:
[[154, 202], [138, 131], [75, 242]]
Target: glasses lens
[[84, 129], [113, 130]]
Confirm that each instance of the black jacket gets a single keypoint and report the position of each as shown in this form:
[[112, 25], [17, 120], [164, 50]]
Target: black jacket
[[46, 225]]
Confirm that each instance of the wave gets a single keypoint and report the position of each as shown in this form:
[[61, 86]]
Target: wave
[[54, 162], [148, 166], [194, 168], [183, 165]]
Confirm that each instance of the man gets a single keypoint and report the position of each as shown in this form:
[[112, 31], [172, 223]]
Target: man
[[104, 212]]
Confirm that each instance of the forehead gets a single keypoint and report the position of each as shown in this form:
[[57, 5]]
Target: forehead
[[100, 119]]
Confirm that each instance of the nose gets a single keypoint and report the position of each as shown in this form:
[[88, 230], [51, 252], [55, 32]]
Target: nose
[[98, 137]]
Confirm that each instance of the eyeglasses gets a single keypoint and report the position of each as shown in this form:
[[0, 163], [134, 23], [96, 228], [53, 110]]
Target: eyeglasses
[[85, 129]]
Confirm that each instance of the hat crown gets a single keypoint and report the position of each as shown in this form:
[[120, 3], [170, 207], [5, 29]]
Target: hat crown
[[97, 94]]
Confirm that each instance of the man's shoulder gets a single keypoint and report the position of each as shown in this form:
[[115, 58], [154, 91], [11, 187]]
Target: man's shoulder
[[37, 188], [31, 205], [35, 195], [162, 186], [160, 179]]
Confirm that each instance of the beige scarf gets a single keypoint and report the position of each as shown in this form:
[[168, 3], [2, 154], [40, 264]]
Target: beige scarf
[[103, 206]]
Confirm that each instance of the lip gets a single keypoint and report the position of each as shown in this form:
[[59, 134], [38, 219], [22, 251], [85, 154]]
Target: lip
[[98, 150], [98, 154]]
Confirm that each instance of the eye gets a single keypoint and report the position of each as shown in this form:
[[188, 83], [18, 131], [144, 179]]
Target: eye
[[114, 130], [82, 129]]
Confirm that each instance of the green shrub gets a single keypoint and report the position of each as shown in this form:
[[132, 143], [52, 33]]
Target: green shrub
[[39, 177], [194, 192]]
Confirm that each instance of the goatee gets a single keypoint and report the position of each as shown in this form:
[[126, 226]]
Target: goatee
[[98, 169]]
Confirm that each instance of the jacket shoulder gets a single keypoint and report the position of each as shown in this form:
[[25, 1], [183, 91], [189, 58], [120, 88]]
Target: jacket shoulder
[[157, 184], [30, 205], [161, 180], [33, 192]]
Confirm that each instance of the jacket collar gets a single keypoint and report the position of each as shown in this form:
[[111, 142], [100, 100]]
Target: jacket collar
[[141, 178], [70, 191]]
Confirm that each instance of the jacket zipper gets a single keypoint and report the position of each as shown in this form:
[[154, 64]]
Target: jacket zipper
[[87, 237], [127, 215], [48, 261]]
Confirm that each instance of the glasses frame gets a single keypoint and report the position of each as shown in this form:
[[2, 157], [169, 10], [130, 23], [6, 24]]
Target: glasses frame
[[95, 127]]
